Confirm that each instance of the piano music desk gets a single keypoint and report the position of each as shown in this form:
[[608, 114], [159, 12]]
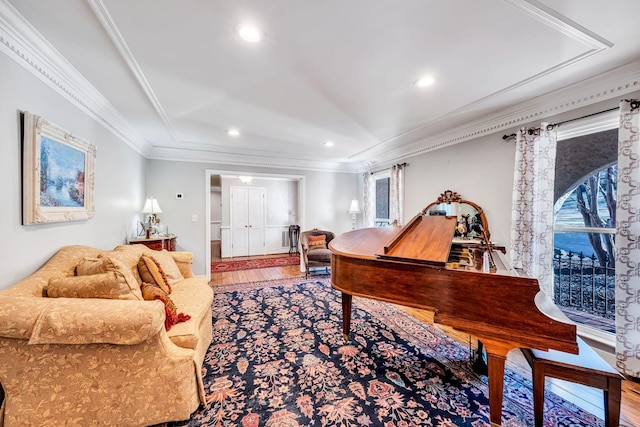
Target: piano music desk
[[586, 368]]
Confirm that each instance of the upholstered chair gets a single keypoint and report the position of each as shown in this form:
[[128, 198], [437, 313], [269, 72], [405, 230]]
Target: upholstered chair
[[314, 244]]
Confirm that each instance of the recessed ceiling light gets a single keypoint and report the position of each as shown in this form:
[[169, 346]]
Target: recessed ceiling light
[[328, 144], [425, 81], [249, 33], [233, 132]]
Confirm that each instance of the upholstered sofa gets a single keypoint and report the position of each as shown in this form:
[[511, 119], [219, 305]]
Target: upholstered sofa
[[70, 359]]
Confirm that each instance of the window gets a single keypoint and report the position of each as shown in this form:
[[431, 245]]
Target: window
[[379, 193], [584, 229], [382, 201]]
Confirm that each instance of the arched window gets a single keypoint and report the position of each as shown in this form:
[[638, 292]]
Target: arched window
[[584, 229]]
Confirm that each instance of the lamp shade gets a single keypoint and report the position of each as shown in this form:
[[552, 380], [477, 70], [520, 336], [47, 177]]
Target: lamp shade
[[151, 206], [355, 207]]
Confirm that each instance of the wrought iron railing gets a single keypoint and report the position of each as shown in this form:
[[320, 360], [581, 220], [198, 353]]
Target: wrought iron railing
[[581, 283]]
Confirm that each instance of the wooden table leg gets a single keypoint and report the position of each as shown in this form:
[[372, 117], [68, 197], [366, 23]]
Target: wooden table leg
[[612, 397], [346, 315]]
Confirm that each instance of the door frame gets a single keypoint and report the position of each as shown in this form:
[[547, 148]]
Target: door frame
[[209, 172]]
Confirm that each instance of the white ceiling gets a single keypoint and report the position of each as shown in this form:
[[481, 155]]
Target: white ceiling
[[177, 77]]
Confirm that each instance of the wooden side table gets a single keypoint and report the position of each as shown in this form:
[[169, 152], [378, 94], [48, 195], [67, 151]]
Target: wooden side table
[[294, 235], [157, 243]]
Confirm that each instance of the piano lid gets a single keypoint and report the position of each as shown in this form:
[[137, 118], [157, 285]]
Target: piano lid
[[425, 240]]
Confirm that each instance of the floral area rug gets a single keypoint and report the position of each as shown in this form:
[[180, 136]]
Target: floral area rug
[[278, 358], [250, 264]]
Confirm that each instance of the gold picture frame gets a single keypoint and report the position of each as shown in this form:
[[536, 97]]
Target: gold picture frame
[[58, 177]]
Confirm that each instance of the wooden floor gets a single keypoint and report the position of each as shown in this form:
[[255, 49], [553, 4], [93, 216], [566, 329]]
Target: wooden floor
[[243, 276], [587, 398]]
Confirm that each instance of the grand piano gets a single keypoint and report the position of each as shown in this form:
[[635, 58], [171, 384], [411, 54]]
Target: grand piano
[[437, 262]]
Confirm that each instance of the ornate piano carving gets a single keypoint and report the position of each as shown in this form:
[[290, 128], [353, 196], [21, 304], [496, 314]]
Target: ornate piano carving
[[424, 265]]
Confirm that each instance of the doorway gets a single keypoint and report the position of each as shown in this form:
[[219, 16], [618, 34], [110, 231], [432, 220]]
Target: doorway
[[213, 186]]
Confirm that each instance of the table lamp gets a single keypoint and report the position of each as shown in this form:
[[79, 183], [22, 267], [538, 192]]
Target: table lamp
[[151, 208], [354, 210]]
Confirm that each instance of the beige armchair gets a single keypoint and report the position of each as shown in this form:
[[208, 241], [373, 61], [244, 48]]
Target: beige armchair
[[315, 250]]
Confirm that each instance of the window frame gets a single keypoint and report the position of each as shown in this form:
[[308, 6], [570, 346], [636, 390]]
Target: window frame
[[380, 222], [589, 125]]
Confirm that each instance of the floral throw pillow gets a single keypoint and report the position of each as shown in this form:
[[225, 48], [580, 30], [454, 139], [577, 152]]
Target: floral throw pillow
[[107, 264], [151, 291], [151, 272]]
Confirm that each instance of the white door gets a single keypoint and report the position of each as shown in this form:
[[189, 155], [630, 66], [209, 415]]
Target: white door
[[247, 221], [256, 221], [239, 222]]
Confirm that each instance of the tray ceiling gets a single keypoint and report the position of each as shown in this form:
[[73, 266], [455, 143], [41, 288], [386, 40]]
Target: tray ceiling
[[175, 76]]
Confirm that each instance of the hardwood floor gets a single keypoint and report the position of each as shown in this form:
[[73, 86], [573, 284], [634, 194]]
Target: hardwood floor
[[242, 276], [588, 398]]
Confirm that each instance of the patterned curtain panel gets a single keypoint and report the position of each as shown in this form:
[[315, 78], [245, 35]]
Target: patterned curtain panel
[[369, 209], [396, 195], [532, 210], [627, 241]]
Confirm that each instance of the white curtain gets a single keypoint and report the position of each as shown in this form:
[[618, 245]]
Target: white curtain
[[628, 242], [369, 208], [396, 195], [532, 205]]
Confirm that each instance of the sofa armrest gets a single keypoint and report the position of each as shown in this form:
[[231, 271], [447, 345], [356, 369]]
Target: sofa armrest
[[184, 260], [79, 320]]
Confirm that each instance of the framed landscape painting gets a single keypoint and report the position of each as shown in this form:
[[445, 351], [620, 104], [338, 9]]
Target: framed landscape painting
[[57, 174]]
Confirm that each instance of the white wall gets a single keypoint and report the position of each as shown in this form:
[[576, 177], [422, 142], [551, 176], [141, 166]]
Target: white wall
[[334, 190], [216, 213], [326, 200], [480, 171], [120, 179]]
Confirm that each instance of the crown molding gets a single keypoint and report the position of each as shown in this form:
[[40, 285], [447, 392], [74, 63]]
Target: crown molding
[[235, 159], [606, 86], [20, 41], [24, 44], [114, 34], [592, 42], [561, 23]]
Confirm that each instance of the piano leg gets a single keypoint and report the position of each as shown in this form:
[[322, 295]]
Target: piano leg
[[496, 358], [346, 315], [496, 386]]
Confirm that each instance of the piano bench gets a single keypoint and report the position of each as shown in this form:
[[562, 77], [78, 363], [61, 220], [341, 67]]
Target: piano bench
[[586, 368]]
